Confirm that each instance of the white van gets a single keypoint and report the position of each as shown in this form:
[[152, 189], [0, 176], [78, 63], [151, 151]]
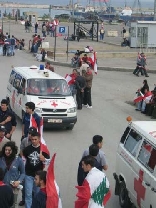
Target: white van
[[48, 90], [136, 166]]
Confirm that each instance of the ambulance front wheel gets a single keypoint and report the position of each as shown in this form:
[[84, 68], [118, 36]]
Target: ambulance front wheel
[[124, 199]]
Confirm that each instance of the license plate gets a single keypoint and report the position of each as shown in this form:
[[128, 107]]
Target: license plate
[[54, 120]]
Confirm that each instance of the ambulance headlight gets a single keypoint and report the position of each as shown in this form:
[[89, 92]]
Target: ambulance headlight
[[38, 110], [71, 110]]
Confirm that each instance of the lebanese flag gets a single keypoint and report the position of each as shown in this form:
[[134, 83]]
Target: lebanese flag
[[33, 122], [94, 191], [69, 79], [52, 189], [141, 97], [56, 22], [43, 146], [93, 61]]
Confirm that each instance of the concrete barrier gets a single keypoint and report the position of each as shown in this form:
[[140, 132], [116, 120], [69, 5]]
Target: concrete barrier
[[112, 33], [45, 45]]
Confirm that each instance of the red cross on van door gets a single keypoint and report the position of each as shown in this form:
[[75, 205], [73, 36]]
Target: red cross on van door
[[139, 188]]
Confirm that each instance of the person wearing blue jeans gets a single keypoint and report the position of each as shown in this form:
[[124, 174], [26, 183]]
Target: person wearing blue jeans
[[30, 188], [142, 104], [35, 161]]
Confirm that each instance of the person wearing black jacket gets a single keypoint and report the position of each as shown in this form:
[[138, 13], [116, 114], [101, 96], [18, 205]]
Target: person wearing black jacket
[[7, 118], [93, 151], [80, 84], [6, 193]]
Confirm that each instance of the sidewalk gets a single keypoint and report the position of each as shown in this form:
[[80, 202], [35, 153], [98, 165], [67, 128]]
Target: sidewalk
[[111, 56]]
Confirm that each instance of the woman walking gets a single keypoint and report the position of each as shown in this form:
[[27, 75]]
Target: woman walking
[[13, 167]]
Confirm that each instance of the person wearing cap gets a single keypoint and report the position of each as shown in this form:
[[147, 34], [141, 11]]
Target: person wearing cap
[[3, 139], [25, 143], [7, 118]]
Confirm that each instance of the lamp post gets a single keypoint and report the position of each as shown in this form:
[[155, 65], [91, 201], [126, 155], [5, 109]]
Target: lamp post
[[2, 25]]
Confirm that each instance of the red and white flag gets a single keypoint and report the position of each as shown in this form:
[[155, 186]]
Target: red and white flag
[[94, 191], [141, 97], [93, 61], [56, 22], [69, 79], [52, 189], [43, 146], [33, 122]]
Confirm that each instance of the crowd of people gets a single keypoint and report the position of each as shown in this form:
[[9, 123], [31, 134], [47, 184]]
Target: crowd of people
[[80, 83], [26, 170], [146, 100], [9, 44]]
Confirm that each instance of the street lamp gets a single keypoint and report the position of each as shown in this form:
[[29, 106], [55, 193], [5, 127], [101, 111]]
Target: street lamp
[[2, 25]]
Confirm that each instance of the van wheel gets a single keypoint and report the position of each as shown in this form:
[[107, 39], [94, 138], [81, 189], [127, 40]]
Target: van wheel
[[70, 127], [124, 199]]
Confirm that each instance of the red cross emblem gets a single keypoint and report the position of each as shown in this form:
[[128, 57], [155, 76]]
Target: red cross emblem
[[54, 104], [13, 99], [139, 188]]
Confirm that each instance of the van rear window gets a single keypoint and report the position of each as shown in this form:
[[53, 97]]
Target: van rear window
[[147, 156], [133, 142]]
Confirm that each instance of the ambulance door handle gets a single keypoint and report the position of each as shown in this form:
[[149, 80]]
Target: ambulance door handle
[[153, 189], [147, 184]]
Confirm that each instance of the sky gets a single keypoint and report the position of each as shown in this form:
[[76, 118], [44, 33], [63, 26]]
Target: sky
[[115, 3]]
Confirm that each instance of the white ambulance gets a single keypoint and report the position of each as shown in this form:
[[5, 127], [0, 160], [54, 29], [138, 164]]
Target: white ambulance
[[48, 90], [136, 166]]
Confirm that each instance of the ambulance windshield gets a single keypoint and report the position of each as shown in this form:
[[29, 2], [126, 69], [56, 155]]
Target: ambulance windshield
[[48, 87]]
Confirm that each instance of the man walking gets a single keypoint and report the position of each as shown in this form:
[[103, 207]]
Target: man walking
[[87, 91], [13, 43], [93, 151], [25, 143], [6, 193], [80, 84], [39, 201], [7, 118], [95, 187], [101, 158], [35, 161], [30, 107]]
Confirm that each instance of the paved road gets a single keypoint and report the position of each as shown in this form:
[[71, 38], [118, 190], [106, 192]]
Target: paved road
[[110, 92]]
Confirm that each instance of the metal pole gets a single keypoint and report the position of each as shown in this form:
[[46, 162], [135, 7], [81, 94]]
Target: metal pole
[[72, 4], [154, 10], [2, 25], [9, 26], [67, 43], [55, 44]]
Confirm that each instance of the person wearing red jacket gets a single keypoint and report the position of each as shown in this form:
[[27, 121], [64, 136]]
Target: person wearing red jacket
[[71, 83]]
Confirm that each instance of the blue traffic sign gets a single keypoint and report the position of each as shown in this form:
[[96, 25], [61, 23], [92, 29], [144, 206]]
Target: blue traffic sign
[[62, 30]]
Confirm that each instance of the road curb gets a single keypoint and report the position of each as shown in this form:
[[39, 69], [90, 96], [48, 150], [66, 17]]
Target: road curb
[[104, 68]]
